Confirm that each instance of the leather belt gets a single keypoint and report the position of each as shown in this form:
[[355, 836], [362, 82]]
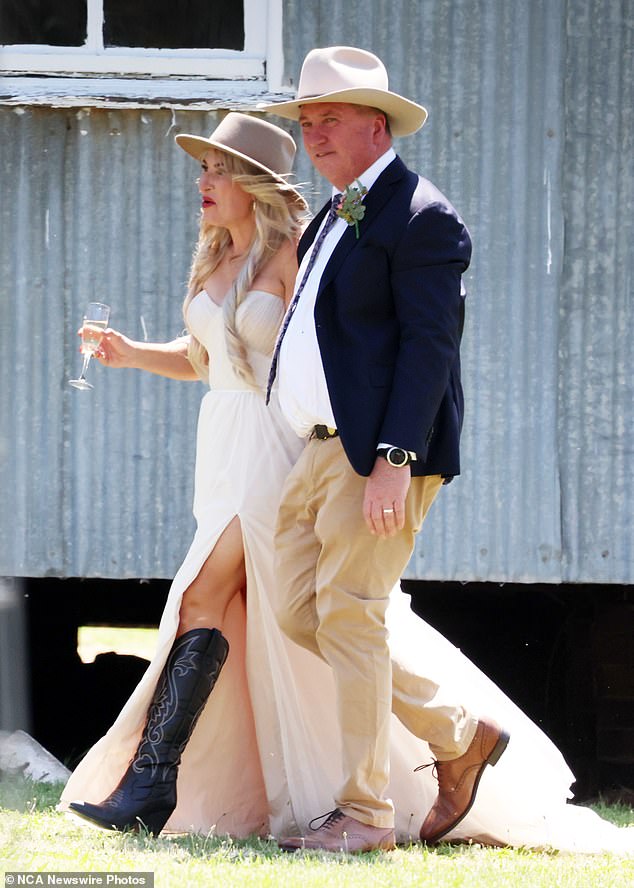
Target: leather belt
[[323, 432]]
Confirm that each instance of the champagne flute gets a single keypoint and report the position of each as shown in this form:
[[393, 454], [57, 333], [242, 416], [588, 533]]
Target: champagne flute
[[95, 322]]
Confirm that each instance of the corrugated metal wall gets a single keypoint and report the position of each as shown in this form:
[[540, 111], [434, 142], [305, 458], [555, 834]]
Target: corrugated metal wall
[[529, 134], [596, 331], [98, 205]]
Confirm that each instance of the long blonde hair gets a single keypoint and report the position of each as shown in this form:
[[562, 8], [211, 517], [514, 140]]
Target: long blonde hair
[[279, 216]]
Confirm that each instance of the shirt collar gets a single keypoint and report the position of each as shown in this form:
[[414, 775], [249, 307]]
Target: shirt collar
[[369, 177]]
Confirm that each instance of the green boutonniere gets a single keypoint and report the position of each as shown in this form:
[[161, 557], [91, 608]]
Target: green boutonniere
[[351, 208]]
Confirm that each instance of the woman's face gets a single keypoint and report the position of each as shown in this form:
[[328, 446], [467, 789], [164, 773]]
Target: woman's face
[[224, 203]]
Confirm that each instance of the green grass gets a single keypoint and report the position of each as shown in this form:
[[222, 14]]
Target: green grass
[[36, 837]]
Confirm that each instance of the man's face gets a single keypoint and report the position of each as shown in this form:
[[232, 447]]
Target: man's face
[[342, 140]]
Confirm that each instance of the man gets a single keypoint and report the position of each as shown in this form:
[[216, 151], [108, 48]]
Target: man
[[368, 368]]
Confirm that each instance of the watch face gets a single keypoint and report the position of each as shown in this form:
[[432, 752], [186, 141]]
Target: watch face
[[396, 456]]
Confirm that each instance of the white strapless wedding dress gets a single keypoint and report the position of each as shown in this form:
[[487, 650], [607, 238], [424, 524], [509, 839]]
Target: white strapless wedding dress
[[264, 756]]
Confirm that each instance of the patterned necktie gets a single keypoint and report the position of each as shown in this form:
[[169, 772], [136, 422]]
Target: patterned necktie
[[330, 221]]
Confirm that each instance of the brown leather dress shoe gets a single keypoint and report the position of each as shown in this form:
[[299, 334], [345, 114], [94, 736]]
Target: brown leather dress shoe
[[458, 780], [342, 833]]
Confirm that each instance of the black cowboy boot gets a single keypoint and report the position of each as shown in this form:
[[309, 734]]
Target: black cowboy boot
[[146, 794]]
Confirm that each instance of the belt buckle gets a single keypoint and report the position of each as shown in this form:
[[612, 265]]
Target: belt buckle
[[322, 432]]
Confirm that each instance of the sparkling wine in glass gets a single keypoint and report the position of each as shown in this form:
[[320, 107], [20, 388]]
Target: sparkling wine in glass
[[95, 322]]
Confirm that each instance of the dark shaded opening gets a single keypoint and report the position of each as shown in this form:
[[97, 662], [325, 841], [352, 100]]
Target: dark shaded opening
[[43, 22], [562, 653], [174, 24]]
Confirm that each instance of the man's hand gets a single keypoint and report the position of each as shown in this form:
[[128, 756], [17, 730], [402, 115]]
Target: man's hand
[[384, 500]]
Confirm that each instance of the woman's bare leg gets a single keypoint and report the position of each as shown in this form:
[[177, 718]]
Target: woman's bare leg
[[147, 793], [222, 576]]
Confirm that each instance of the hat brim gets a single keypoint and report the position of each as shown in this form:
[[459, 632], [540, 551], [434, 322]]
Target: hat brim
[[405, 116], [197, 147]]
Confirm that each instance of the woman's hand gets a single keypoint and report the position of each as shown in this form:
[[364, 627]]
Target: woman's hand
[[116, 350], [163, 358]]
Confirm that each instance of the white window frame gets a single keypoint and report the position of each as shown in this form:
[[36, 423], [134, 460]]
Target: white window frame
[[149, 72]]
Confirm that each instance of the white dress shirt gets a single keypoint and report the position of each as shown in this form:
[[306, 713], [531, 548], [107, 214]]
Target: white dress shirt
[[303, 392]]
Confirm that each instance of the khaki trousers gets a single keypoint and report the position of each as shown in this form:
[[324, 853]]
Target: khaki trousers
[[335, 578]]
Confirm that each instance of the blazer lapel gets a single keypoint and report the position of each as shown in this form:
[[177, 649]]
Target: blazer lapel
[[374, 202]]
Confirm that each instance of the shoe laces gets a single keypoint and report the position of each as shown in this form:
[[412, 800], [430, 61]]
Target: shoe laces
[[331, 818], [434, 765]]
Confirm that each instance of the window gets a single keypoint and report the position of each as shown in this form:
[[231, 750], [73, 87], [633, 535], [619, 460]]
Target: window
[[33, 22], [211, 39], [166, 24]]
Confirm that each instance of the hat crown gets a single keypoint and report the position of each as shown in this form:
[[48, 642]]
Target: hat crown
[[257, 140], [335, 68], [353, 76], [267, 147]]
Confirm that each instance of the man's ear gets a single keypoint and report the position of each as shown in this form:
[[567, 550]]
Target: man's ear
[[381, 129]]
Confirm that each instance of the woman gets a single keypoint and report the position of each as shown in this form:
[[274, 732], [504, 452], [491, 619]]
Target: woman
[[257, 753], [242, 277]]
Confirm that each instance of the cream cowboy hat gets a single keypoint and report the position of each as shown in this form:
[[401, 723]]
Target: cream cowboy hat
[[263, 145], [355, 76]]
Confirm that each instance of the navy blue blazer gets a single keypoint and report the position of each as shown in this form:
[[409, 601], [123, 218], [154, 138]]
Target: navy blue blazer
[[389, 315]]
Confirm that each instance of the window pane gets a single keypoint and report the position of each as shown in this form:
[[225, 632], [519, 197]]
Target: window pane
[[47, 22], [174, 24]]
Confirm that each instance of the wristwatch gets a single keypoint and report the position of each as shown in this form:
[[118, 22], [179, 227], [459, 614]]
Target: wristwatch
[[396, 456]]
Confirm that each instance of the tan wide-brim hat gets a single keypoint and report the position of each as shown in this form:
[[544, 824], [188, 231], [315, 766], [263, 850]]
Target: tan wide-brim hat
[[265, 146], [355, 76]]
